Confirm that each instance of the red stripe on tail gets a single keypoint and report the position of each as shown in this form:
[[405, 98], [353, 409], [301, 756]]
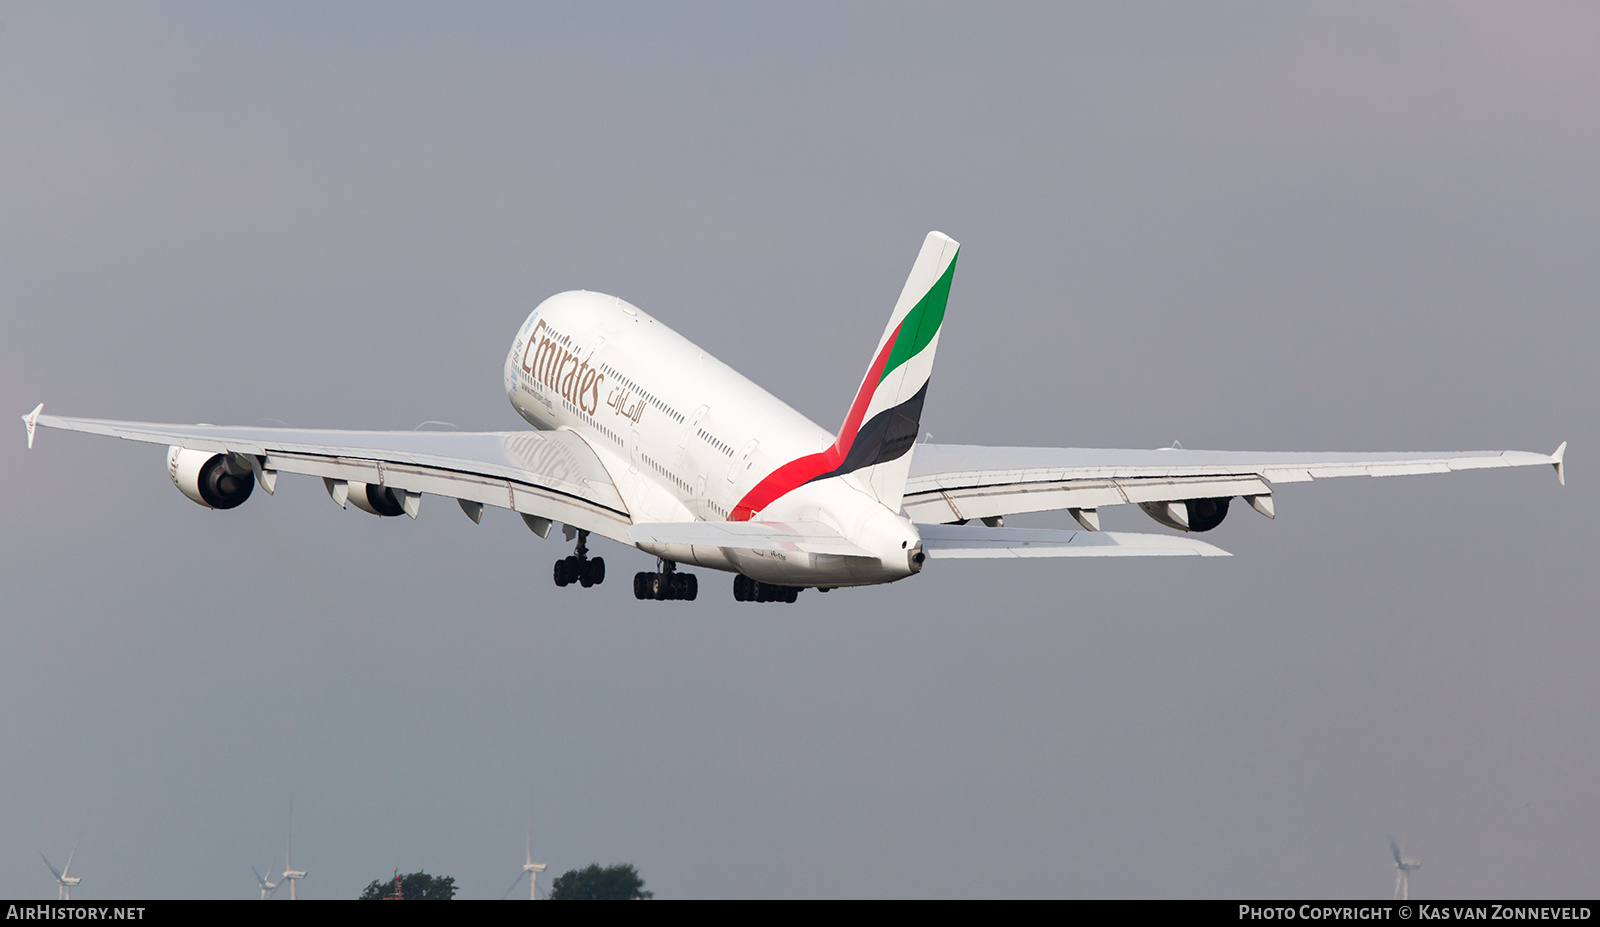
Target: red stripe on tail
[[801, 470]]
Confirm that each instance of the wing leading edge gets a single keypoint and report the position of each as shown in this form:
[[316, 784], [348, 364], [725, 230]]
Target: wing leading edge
[[957, 482], [551, 475]]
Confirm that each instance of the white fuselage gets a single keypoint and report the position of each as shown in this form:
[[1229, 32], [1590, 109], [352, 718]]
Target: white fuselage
[[685, 437]]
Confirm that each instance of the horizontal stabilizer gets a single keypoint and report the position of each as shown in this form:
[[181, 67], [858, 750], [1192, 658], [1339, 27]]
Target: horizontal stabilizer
[[806, 536], [970, 542]]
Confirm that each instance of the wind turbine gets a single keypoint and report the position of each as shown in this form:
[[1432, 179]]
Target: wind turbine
[[1404, 866], [530, 869], [64, 882], [290, 873], [268, 889]]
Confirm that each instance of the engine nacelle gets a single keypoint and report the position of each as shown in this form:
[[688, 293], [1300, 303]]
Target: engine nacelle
[[1190, 514], [377, 500], [216, 481]]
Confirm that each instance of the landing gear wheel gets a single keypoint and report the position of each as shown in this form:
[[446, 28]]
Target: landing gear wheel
[[682, 587], [746, 589], [666, 585], [578, 568]]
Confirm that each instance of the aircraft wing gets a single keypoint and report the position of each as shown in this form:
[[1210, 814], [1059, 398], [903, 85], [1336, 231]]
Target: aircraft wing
[[548, 474], [950, 482]]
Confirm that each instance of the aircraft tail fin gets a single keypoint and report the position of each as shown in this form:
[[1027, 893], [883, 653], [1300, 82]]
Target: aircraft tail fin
[[876, 438], [878, 433]]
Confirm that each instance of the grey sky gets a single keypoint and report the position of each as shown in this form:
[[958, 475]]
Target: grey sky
[[1296, 227]]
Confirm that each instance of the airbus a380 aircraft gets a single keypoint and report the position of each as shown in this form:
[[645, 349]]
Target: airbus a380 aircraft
[[646, 439]]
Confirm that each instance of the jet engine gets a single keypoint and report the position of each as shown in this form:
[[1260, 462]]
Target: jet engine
[[1190, 514], [376, 500], [216, 481]]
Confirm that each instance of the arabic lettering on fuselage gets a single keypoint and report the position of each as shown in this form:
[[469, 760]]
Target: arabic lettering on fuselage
[[619, 400]]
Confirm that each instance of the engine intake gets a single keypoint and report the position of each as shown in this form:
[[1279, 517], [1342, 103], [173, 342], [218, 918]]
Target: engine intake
[[216, 481], [1190, 514]]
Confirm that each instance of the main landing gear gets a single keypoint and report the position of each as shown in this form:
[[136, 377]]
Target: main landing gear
[[578, 568], [746, 589], [666, 584]]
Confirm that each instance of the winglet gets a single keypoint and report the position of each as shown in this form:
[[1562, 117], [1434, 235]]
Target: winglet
[[32, 421], [1555, 459]]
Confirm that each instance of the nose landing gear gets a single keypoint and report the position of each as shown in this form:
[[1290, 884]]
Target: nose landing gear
[[578, 568], [666, 584]]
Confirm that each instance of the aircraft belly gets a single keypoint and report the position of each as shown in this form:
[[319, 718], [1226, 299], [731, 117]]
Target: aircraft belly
[[712, 558], [797, 568], [787, 567]]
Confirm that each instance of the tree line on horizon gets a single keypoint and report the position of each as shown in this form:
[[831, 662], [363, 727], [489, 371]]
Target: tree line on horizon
[[594, 882]]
